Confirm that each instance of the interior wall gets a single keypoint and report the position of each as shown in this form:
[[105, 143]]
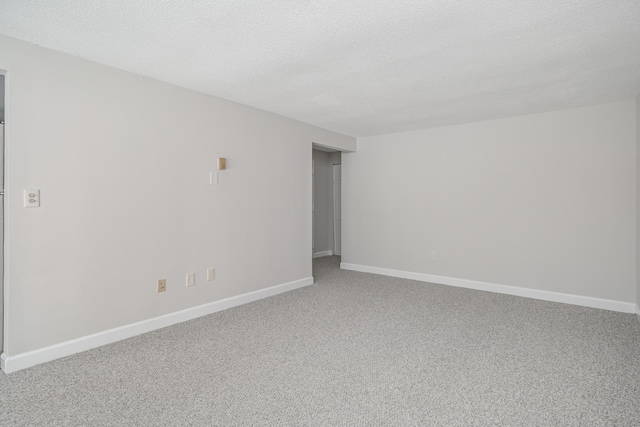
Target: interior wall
[[544, 201], [1, 98], [123, 163], [638, 207], [335, 158], [323, 203], [1, 233]]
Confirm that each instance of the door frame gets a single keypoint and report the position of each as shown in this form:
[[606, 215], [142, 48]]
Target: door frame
[[337, 234]]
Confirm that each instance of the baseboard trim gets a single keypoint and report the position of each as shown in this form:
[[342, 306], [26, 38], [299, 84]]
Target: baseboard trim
[[21, 361], [323, 253], [605, 304]]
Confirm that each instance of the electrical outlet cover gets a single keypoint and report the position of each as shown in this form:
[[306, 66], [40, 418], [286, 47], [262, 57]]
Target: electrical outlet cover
[[191, 279], [32, 198]]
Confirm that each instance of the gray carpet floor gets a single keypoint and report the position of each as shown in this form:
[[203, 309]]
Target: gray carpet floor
[[354, 349]]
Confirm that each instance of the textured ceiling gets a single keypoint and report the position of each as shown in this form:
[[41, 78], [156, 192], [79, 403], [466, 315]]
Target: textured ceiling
[[361, 67]]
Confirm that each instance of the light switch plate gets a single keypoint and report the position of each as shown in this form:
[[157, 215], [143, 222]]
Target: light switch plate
[[32, 198], [191, 279]]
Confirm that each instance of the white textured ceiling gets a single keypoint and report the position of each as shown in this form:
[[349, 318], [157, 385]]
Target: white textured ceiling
[[361, 67]]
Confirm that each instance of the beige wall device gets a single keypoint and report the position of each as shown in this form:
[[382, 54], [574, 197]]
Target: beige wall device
[[222, 163]]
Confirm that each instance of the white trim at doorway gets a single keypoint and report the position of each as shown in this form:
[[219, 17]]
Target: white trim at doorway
[[323, 253]]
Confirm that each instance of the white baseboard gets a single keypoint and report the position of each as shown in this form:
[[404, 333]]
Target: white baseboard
[[606, 304], [21, 361], [323, 253]]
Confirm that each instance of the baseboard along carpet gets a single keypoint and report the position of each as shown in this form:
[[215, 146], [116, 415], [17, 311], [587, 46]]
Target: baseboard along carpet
[[354, 349]]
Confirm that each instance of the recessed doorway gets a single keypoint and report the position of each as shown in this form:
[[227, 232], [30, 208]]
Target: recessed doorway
[[326, 206]]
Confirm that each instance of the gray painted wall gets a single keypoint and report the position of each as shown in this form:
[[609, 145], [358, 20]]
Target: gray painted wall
[[123, 163], [544, 201], [1, 98], [335, 158], [638, 206]]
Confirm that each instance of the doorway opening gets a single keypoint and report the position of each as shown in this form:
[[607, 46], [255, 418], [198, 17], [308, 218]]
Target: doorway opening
[[327, 202]]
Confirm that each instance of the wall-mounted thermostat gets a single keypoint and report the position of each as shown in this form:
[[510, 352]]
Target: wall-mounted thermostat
[[222, 163]]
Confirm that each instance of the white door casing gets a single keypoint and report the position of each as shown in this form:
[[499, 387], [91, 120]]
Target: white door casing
[[337, 209]]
